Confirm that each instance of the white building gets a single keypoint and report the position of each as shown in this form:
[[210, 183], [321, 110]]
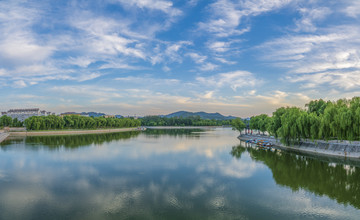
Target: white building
[[22, 114]]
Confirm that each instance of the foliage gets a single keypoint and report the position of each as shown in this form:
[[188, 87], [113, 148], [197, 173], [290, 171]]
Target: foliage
[[238, 124], [53, 122], [7, 121], [339, 120], [180, 121], [259, 122]]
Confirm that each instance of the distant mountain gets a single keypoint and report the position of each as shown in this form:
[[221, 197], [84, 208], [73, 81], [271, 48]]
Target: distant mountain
[[203, 115], [93, 114]]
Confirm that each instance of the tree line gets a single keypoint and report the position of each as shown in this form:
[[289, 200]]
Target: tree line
[[53, 122], [331, 120], [181, 121], [7, 121]]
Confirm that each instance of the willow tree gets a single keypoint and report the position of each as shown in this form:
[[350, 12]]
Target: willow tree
[[262, 122], [275, 123], [355, 111], [303, 123], [317, 106], [289, 131], [314, 121], [238, 124], [259, 122]]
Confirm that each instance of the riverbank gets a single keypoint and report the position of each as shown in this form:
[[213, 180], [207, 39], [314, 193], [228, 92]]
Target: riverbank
[[3, 136], [182, 127], [71, 132], [319, 147]]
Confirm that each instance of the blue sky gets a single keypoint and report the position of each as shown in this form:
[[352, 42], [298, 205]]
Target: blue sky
[[143, 57]]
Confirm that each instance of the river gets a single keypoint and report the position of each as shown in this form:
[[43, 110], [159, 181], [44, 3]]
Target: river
[[170, 174]]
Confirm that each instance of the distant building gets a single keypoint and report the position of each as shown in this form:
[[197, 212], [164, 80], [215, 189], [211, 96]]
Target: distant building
[[109, 116], [22, 114]]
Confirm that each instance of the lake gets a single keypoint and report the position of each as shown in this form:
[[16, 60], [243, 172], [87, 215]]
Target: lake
[[170, 174]]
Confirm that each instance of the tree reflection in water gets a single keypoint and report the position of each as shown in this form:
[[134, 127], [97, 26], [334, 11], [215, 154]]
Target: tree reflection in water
[[72, 141], [76, 141], [180, 132], [339, 181]]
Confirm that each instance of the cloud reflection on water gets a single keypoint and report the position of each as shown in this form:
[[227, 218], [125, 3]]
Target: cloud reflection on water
[[147, 177]]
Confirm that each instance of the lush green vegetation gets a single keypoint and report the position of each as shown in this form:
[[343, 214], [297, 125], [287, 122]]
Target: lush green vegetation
[[238, 124], [339, 120], [180, 121], [53, 122], [6, 121]]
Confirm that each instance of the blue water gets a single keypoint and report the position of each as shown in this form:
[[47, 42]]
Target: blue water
[[170, 174]]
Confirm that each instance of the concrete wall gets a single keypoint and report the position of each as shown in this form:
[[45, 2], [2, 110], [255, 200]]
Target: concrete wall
[[331, 148]]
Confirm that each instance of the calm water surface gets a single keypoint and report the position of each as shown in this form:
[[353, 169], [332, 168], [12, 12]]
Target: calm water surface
[[170, 174]]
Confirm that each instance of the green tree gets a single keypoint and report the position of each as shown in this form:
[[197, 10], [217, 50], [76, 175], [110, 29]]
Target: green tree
[[238, 124], [5, 121]]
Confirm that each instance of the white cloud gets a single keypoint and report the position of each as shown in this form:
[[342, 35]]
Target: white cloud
[[101, 37], [18, 44], [192, 2], [208, 67], [222, 60], [196, 57], [172, 52], [19, 84], [252, 92], [161, 5], [344, 79], [3, 72], [309, 17], [219, 46], [22, 50], [234, 80], [330, 57], [352, 9], [207, 95], [89, 76], [148, 80], [227, 15]]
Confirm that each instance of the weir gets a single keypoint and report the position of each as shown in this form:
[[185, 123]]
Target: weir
[[3, 136]]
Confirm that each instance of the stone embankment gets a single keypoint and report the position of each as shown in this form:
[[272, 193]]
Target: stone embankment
[[3, 136], [330, 148]]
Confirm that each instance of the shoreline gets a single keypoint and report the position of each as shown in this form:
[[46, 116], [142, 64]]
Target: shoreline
[[182, 127], [323, 148], [3, 136], [69, 132]]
